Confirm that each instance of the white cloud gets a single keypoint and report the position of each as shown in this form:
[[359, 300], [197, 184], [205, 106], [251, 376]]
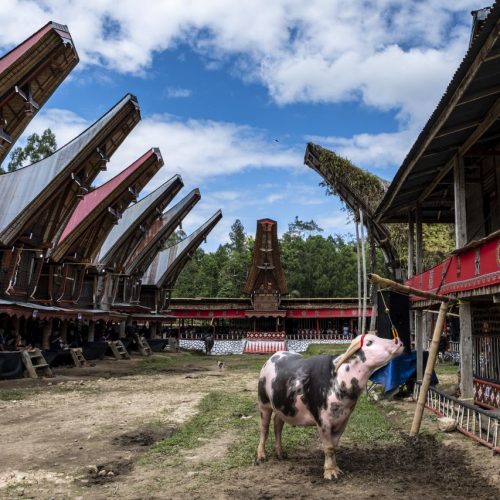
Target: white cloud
[[176, 92], [337, 223], [371, 151], [391, 54], [273, 198]]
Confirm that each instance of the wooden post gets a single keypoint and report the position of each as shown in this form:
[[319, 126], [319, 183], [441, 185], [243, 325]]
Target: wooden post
[[152, 329], [466, 373], [411, 267], [417, 419], [358, 262], [411, 245], [419, 330], [434, 345], [365, 281], [47, 330], [373, 269], [15, 329], [91, 331], [64, 330], [123, 324]]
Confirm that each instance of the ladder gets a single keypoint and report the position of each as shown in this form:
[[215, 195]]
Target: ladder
[[143, 346], [78, 358], [36, 364], [118, 349]]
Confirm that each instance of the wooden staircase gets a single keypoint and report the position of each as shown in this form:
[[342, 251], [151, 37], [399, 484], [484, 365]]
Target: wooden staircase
[[118, 349], [36, 365], [78, 357], [144, 347]]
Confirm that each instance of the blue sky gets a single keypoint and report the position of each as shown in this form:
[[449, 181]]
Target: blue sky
[[231, 92]]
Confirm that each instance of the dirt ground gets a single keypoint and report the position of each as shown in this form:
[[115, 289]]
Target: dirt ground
[[84, 435]]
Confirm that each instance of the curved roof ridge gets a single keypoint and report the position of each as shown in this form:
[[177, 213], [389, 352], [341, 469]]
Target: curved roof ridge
[[134, 214], [169, 262]]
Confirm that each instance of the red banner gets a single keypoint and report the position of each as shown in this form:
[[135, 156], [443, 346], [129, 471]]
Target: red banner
[[473, 268], [241, 313]]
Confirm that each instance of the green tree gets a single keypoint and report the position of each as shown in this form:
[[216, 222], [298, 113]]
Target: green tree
[[37, 148], [300, 227]]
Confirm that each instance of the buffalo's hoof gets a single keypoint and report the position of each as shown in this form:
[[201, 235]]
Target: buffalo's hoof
[[332, 473], [260, 459], [282, 456]]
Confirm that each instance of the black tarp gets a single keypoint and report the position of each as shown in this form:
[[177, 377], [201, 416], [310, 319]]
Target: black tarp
[[157, 345], [11, 365], [58, 358], [94, 350]]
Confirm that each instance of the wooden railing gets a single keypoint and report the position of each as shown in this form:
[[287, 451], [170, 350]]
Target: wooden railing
[[486, 357]]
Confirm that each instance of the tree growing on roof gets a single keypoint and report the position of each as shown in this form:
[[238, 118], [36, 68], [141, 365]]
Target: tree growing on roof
[[37, 148], [370, 189]]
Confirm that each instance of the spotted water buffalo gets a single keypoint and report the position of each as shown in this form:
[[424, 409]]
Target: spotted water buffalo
[[321, 390]]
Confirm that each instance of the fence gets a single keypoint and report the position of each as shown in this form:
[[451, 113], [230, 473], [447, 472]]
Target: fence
[[486, 357], [481, 425]]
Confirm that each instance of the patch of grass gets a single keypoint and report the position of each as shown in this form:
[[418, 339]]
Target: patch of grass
[[369, 424], [221, 412], [14, 394], [218, 412], [331, 349], [446, 368]]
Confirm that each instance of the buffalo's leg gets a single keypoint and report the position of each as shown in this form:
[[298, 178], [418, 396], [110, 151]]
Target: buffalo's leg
[[265, 419], [278, 428], [329, 442]]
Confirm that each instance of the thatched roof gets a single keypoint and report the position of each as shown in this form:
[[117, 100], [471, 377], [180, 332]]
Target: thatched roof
[[357, 188]]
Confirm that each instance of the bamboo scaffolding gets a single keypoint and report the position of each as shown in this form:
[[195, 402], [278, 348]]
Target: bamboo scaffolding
[[429, 368]]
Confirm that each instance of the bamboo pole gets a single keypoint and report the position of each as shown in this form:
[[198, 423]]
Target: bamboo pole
[[365, 280], [358, 263], [407, 290], [429, 368]]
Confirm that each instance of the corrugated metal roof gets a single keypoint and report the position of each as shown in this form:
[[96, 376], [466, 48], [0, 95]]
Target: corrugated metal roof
[[151, 244], [23, 191], [135, 216], [168, 263], [470, 98]]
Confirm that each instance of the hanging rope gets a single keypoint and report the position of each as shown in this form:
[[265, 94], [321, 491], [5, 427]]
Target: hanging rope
[[394, 330]]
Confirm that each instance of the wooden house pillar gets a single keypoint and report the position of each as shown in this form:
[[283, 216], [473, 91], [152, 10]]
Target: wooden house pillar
[[64, 331], [15, 325], [411, 267], [419, 266], [466, 373], [91, 331], [47, 330], [153, 329], [123, 324]]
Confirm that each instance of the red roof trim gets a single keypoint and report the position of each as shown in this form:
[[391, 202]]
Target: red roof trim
[[92, 200], [17, 52]]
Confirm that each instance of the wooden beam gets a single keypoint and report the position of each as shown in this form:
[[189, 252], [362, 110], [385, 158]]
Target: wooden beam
[[490, 118], [407, 290], [480, 95], [411, 245], [457, 96], [466, 374], [458, 128], [460, 208]]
